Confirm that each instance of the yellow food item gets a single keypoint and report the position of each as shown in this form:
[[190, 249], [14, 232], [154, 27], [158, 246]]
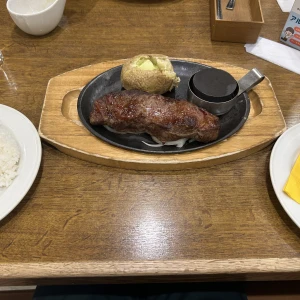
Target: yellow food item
[[152, 73], [292, 186]]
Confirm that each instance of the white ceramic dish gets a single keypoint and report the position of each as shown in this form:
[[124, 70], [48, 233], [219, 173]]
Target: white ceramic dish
[[31, 152], [283, 157], [36, 17]]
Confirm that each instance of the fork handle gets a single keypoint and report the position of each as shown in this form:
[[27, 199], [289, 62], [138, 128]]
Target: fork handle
[[230, 4], [219, 10]]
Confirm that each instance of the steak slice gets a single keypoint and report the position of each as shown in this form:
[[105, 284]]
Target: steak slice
[[166, 119]]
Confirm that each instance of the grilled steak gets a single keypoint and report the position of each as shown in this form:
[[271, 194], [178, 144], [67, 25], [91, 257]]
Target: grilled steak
[[165, 118]]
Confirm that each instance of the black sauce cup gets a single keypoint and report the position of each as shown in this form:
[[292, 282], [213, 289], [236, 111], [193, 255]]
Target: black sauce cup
[[217, 91]]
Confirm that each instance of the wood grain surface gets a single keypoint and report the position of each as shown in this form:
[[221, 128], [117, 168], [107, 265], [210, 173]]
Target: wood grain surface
[[82, 221], [61, 127]]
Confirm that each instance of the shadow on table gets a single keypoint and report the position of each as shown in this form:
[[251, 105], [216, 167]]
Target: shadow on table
[[76, 11], [275, 202], [19, 36], [14, 213]]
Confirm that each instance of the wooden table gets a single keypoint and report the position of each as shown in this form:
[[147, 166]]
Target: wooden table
[[82, 222]]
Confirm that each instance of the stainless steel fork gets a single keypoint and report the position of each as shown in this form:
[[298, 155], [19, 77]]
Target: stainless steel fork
[[1, 58], [230, 4], [219, 10]]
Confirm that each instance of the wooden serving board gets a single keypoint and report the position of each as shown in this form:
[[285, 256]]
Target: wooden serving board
[[61, 127]]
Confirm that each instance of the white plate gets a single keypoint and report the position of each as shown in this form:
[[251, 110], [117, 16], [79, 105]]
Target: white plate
[[283, 157], [30, 158]]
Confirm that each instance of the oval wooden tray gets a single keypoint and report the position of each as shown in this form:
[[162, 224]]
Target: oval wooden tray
[[61, 127]]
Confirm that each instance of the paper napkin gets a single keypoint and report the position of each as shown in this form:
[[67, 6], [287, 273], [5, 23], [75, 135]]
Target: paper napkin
[[276, 53], [286, 5], [292, 186]]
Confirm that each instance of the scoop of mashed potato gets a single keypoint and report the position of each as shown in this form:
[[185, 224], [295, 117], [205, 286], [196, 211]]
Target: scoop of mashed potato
[[152, 73]]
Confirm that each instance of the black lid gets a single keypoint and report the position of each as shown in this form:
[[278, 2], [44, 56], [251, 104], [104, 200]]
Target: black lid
[[214, 85]]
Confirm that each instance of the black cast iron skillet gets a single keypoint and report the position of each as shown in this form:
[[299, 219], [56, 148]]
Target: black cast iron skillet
[[109, 81]]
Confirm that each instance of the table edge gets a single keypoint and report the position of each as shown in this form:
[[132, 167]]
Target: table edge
[[92, 269]]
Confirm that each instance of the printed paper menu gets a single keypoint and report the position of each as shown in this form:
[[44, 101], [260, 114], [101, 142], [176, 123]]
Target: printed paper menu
[[291, 32]]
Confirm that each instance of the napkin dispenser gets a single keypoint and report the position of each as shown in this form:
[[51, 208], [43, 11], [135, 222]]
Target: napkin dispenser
[[241, 25]]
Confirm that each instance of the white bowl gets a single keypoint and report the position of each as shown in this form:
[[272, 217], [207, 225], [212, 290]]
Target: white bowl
[[36, 17]]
